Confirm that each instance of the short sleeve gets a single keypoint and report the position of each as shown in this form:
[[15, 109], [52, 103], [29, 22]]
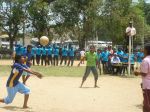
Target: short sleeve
[[18, 66], [144, 67]]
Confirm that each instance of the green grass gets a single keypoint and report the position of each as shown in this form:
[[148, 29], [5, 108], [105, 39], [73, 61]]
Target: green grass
[[49, 71]]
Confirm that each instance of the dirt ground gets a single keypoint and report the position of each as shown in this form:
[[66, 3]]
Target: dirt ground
[[62, 94]]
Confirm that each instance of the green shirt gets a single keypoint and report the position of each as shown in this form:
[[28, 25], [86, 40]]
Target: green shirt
[[91, 59]]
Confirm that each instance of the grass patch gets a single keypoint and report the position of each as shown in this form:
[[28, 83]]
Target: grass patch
[[49, 71]]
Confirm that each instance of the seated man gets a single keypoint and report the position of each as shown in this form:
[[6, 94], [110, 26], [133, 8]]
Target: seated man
[[115, 61]]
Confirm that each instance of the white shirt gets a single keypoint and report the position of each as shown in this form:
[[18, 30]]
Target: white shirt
[[131, 31], [82, 53], [115, 59]]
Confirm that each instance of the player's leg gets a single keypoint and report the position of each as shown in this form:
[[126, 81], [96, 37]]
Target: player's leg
[[26, 78], [62, 58], [24, 74], [24, 90], [48, 61], [86, 74], [69, 61], [37, 60], [42, 60], [45, 59], [95, 73], [65, 59], [51, 59], [25, 104], [146, 102], [11, 94], [72, 60], [56, 60]]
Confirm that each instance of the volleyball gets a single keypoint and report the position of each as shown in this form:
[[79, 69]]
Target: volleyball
[[44, 40]]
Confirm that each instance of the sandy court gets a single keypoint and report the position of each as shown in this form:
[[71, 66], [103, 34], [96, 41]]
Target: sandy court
[[62, 94], [6, 62]]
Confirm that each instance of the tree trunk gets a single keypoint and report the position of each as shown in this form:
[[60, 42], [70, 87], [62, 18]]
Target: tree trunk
[[82, 43], [11, 43]]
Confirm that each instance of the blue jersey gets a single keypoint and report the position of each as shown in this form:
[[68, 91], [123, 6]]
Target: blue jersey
[[71, 52], [120, 55], [64, 52], [19, 50], [49, 51], [33, 51], [56, 51], [99, 56], [105, 55], [44, 51], [125, 58], [139, 56], [38, 51], [28, 56], [15, 75]]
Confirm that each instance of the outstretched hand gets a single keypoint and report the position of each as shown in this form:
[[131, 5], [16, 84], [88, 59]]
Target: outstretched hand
[[39, 75]]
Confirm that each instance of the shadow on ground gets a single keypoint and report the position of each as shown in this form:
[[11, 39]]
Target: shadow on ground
[[15, 108]]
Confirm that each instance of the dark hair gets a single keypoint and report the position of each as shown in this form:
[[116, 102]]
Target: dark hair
[[147, 48], [17, 58], [92, 46]]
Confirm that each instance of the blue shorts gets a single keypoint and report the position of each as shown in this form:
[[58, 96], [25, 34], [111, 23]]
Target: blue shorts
[[21, 88]]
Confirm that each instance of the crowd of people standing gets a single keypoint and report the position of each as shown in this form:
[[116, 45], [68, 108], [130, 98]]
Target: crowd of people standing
[[110, 60], [48, 55]]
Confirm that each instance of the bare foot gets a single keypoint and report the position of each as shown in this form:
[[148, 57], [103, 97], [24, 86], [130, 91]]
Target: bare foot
[[96, 86], [25, 107], [80, 87]]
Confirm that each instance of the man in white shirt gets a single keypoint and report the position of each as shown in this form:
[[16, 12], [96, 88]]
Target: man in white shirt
[[130, 33], [115, 60], [82, 57]]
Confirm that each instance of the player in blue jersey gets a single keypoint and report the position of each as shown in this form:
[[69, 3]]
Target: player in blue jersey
[[19, 50], [71, 53], [33, 50], [125, 57], [98, 53], [49, 54], [43, 59], [104, 57], [139, 57], [56, 55], [13, 85], [64, 55], [38, 54]]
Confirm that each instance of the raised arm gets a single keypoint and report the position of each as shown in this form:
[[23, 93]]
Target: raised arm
[[39, 75]]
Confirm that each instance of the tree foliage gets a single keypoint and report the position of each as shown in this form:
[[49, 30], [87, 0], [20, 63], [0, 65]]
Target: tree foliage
[[82, 20]]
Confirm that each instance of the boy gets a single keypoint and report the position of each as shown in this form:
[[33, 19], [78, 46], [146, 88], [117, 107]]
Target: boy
[[91, 65], [13, 85]]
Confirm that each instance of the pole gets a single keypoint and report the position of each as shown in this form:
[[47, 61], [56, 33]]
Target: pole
[[129, 68], [131, 44]]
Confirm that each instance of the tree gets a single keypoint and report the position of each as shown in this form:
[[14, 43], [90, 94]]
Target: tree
[[12, 18], [39, 17]]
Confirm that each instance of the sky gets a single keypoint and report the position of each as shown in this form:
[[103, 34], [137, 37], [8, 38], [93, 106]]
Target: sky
[[148, 1]]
